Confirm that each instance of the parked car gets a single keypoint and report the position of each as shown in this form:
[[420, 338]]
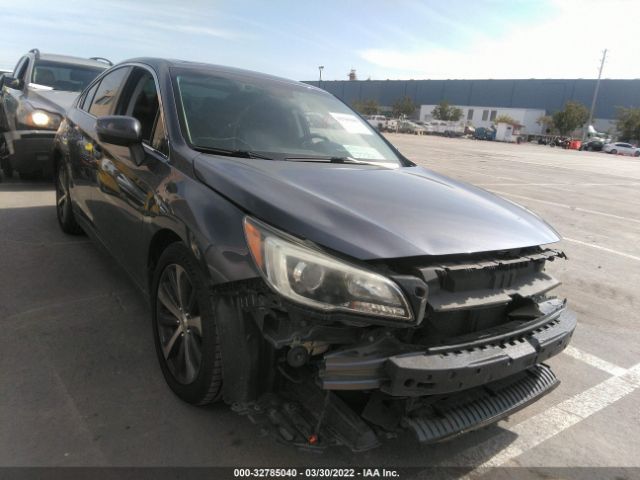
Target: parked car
[[621, 148], [377, 121], [321, 283], [34, 98], [593, 145], [407, 126], [482, 133]]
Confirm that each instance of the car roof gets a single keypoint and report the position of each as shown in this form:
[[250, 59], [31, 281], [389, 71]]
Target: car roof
[[159, 63], [84, 62]]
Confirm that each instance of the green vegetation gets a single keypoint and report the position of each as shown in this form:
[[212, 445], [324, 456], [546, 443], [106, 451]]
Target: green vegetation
[[444, 111], [628, 123], [404, 106], [573, 116], [366, 107], [505, 119]]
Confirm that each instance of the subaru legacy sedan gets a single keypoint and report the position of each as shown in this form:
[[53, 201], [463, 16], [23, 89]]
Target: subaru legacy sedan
[[300, 268]]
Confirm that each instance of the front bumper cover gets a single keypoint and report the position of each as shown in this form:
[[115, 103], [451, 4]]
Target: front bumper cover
[[31, 150], [399, 369]]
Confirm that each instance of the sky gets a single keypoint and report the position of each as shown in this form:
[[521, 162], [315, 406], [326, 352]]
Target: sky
[[401, 39]]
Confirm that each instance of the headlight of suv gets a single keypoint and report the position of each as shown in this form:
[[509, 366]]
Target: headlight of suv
[[315, 279], [39, 119]]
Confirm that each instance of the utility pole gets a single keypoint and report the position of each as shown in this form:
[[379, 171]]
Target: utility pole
[[595, 93], [320, 68]]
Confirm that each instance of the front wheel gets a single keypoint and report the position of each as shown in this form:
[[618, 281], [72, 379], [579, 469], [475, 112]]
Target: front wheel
[[184, 327], [64, 212], [636, 154], [614, 152]]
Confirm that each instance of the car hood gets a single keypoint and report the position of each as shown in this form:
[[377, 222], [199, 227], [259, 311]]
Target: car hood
[[373, 213], [57, 101]]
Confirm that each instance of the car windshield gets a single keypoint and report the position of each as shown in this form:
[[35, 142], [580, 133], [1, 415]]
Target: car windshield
[[64, 76], [276, 118]]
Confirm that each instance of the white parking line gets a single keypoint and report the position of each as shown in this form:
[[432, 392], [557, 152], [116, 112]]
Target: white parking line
[[594, 361], [563, 205], [605, 249], [539, 428]]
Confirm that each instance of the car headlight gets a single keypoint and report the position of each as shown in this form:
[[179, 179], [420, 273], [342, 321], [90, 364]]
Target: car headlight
[[315, 279], [38, 118]]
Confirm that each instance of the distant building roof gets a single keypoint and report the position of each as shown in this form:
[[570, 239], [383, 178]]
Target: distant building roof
[[546, 94]]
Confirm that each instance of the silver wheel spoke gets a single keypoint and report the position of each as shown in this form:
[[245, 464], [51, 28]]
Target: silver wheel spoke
[[168, 301], [191, 303], [179, 286], [195, 324], [191, 357], [168, 347], [62, 199], [179, 323]]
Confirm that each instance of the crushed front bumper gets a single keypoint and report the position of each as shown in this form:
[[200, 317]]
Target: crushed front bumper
[[399, 369]]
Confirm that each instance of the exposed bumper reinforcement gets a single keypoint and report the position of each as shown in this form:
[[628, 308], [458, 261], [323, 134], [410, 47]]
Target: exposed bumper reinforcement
[[482, 406], [386, 364]]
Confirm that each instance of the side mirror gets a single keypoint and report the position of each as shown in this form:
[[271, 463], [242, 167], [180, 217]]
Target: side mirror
[[119, 130], [13, 82], [124, 131]]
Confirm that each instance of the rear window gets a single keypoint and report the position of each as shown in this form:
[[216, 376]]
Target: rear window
[[63, 76]]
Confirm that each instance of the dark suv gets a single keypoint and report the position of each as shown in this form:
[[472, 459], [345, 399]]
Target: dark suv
[[34, 99], [299, 267]]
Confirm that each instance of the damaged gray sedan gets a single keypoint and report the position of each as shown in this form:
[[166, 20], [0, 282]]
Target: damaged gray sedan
[[299, 267]]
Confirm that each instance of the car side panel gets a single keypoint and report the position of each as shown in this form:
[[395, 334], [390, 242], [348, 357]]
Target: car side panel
[[83, 161]]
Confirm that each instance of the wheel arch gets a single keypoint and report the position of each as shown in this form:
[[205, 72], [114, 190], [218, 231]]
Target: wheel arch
[[158, 244]]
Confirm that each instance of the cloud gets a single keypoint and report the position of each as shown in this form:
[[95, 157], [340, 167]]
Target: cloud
[[567, 44], [191, 29]]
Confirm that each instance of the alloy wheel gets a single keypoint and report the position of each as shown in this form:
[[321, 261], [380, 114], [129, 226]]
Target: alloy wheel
[[179, 323]]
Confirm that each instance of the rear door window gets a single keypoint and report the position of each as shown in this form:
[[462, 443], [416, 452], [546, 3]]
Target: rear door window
[[88, 97], [107, 93]]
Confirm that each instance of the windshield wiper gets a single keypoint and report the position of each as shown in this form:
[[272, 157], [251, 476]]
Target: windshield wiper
[[317, 158], [232, 153]]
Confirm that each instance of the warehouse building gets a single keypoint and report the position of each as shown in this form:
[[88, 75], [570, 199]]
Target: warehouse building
[[479, 116], [548, 95]]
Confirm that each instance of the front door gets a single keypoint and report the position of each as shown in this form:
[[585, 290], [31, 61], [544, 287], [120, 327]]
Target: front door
[[126, 187]]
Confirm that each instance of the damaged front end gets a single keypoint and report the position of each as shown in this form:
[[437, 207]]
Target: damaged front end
[[470, 351]]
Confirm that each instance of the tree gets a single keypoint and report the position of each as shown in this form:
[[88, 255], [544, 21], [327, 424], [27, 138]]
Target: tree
[[366, 107], [444, 111], [573, 116], [404, 106], [628, 123], [546, 121], [506, 119]]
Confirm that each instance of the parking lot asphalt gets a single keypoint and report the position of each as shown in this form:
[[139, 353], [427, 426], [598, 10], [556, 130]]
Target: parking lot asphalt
[[81, 386]]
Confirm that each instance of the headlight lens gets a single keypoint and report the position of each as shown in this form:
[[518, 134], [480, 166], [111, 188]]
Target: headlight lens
[[38, 118], [318, 280], [41, 119]]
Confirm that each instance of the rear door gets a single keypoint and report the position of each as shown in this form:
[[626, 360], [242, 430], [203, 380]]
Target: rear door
[[85, 152]]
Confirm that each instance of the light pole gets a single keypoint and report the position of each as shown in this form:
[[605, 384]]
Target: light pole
[[320, 68], [595, 93]]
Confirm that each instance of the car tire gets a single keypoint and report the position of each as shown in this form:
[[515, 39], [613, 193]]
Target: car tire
[[64, 211], [636, 154], [7, 168], [184, 327], [613, 152]]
